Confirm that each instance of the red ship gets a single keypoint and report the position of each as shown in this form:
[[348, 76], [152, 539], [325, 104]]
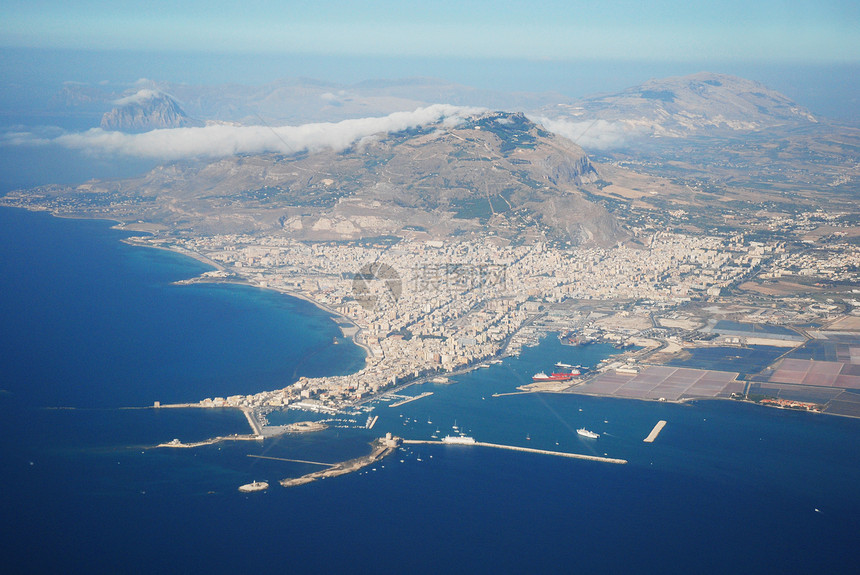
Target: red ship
[[541, 376]]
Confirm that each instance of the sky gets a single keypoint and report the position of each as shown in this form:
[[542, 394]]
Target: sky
[[809, 50], [804, 31]]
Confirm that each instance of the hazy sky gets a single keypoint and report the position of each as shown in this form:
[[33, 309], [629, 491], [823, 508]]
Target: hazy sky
[[811, 31]]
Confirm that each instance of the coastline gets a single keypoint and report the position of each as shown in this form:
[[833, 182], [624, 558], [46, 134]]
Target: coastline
[[335, 315], [193, 255], [344, 323], [338, 318], [153, 228]]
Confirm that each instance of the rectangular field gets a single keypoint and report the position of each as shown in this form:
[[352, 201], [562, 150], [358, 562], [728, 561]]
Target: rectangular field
[[662, 382]]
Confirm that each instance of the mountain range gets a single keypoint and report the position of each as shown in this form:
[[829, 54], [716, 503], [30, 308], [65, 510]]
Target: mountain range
[[494, 172], [661, 107], [708, 142], [683, 106]]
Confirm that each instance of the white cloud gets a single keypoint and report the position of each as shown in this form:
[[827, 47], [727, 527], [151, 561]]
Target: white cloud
[[138, 97], [23, 139], [594, 134], [225, 140]]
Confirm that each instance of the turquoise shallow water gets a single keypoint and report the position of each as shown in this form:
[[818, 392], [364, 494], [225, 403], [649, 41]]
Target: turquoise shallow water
[[91, 323]]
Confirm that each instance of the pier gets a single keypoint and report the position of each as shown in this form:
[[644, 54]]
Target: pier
[[524, 449], [408, 399], [655, 432], [256, 428]]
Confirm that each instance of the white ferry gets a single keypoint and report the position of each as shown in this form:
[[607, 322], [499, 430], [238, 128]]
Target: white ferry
[[585, 433]]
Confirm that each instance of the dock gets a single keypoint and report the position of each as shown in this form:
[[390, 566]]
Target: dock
[[409, 399], [372, 422], [526, 450], [655, 432]]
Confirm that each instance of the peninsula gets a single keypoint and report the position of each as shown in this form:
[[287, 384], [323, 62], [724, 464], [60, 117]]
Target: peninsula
[[380, 448]]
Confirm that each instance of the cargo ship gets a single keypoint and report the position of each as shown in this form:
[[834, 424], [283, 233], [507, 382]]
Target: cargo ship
[[561, 376], [585, 433]]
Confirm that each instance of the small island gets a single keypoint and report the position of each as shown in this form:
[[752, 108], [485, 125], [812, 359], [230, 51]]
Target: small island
[[254, 487]]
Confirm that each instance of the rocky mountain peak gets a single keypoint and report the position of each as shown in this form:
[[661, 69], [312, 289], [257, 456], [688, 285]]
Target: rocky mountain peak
[[698, 103], [146, 110]]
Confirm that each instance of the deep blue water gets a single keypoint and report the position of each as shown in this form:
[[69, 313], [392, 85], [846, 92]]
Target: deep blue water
[[91, 323]]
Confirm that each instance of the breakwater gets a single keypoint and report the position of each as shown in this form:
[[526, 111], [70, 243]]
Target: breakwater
[[212, 441], [655, 432], [524, 449], [409, 399]]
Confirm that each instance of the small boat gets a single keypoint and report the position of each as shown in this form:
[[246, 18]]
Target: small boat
[[589, 434]]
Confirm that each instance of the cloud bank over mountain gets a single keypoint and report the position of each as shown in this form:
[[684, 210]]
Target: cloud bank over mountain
[[138, 97], [226, 140], [594, 134]]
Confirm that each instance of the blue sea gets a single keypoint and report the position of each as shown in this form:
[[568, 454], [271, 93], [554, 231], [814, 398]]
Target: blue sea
[[91, 328]]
